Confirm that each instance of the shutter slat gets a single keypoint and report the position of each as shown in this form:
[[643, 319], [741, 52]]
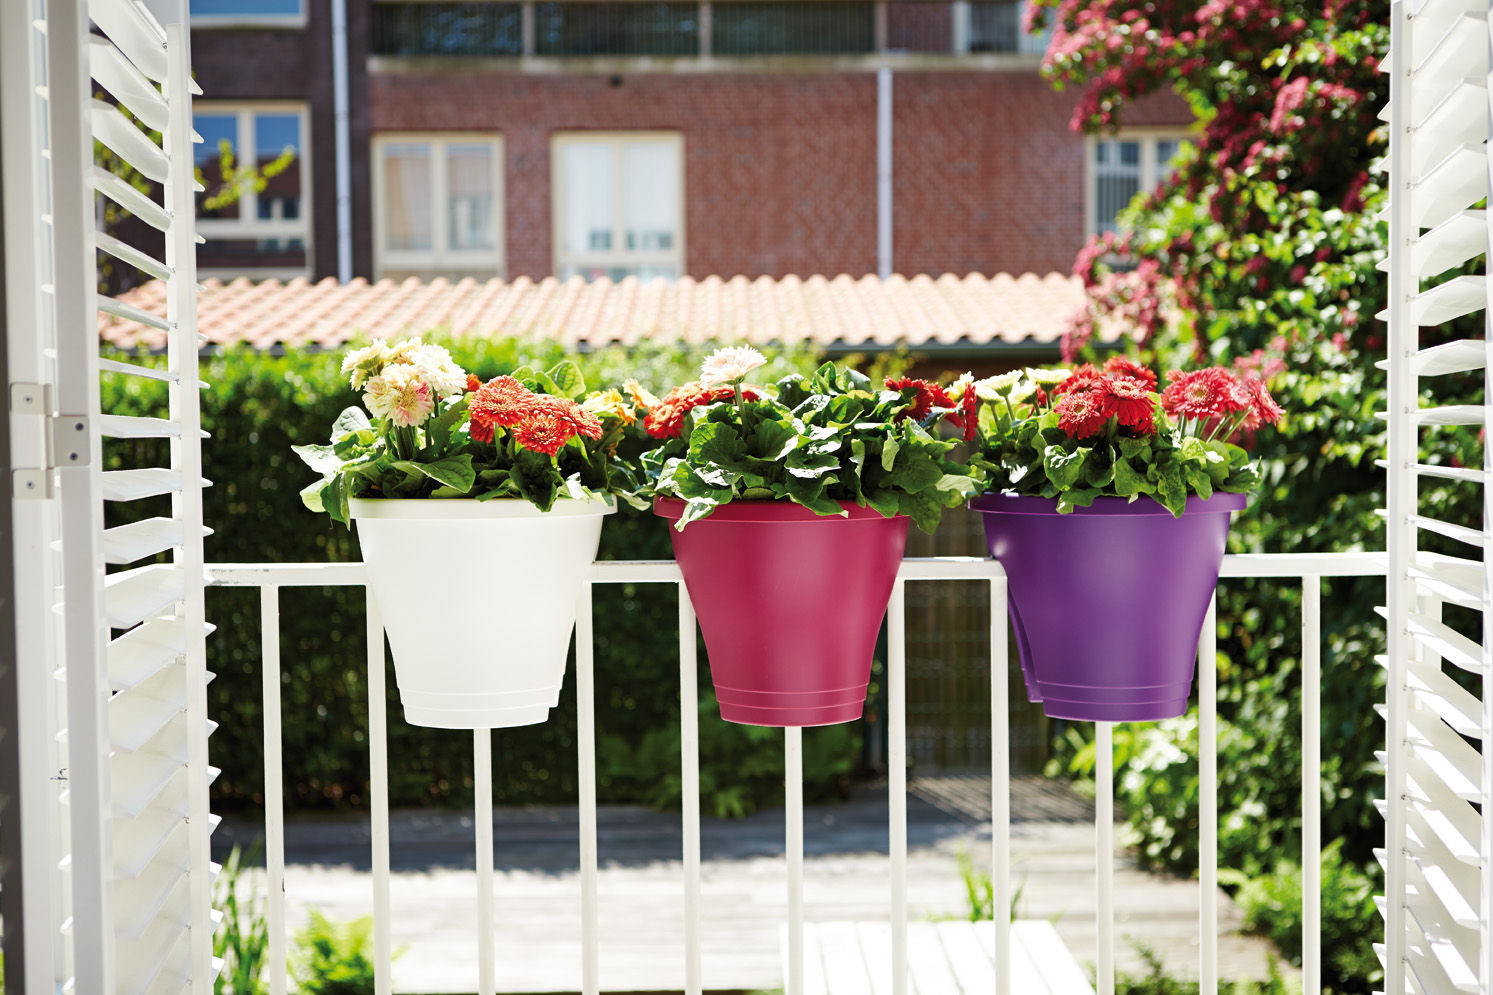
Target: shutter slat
[[144, 650], [133, 485], [1460, 118], [129, 312], [1460, 356], [1446, 301], [1446, 755], [128, 543], [137, 841], [132, 200], [1445, 641], [1451, 702], [136, 33], [1452, 185], [1459, 52], [128, 142], [137, 427], [113, 70], [141, 900], [1462, 473], [163, 948], [132, 256], [137, 715], [132, 596], [147, 372], [1452, 414], [1448, 817], [1457, 580], [139, 778]]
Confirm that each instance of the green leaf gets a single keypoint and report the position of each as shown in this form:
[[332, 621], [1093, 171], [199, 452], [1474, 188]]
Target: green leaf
[[923, 508], [323, 459], [1128, 483], [889, 454], [1171, 488], [311, 495], [1078, 497], [350, 420], [1064, 467], [811, 465], [452, 471], [566, 377]]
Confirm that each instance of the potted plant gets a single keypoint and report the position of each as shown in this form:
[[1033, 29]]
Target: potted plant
[[478, 509], [790, 507], [1109, 508]]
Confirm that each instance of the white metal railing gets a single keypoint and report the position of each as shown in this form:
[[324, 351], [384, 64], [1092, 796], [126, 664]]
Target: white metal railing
[[1308, 568]]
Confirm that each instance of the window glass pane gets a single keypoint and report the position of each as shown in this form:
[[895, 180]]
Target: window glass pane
[[245, 8], [629, 28], [1130, 154], [251, 254], [1116, 179], [407, 220], [277, 155], [216, 158], [1166, 152], [995, 27], [755, 27], [586, 185], [447, 29], [650, 191], [469, 209]]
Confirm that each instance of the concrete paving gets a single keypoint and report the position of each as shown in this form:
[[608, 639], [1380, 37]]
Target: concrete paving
[[433, 886]]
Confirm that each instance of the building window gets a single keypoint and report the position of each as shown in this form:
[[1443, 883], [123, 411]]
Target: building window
[[254, 209], [618, 205], [785, 27], [448, 29], [1120, 168], [438, 205], [258, 13], [997, 27], [627, 28]]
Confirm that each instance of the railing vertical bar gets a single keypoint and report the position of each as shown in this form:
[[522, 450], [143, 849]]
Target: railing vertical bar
[[689, 777], [1000, 786], [1208, 802], [378, 795], [896, 764], [274, 786], [793, 789], [585, 724], [1311, 784], [487, 966], [1104, 833]]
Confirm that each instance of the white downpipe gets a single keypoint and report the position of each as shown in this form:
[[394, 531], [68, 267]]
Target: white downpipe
[[341, 142], [884, 172]]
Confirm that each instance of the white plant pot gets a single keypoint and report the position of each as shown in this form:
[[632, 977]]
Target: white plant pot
[[478, 599]]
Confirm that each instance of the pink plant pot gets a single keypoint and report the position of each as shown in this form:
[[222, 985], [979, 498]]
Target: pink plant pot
[[790, 603]]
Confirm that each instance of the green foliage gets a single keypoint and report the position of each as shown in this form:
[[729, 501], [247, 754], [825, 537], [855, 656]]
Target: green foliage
[[823, 439], [1272, 905], [242, 939], [741, 767], [258, 406], [443, 456], [979, 892], [334, 958], [1155, 981], [1029, 448]]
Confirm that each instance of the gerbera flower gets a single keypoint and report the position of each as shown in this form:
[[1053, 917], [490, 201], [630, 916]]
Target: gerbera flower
[[1263, 409], [729, 366], [1120, 366], [581, 420], [640, 394], [929, 396], [1135, 406], [666, 419], [1046, 377], [1083, 378], [501, 401], [611, 404], [473, 382], [400, 395], [969, 407], [1083, 413], [437, 367], [366, 362], [544, 430], [992, 388]]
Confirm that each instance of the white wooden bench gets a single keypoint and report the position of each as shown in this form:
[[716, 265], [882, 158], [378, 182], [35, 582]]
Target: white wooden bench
[[944, 958]]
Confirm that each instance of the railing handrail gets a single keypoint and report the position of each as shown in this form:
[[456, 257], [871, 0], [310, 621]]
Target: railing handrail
[[352, 574]]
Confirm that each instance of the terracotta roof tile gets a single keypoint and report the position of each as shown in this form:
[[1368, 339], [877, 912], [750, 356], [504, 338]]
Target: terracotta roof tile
[[868, 312]]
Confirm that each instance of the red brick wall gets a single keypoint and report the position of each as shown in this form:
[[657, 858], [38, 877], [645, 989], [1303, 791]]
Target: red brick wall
[[780, 170], [919, 27]]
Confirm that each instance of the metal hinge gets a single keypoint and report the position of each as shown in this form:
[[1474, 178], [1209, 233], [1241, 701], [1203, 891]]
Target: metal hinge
[[67, 440]]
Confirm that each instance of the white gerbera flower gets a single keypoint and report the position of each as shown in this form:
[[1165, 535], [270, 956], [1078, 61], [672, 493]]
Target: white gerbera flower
[[991, 388], [729, 365], [1046, 376], [439, 369], [958, 387], [366, 362], [401, 395]]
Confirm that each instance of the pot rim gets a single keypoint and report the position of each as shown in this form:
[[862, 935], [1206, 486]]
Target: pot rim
[[447, 509], [777, 510], [1003, 503]]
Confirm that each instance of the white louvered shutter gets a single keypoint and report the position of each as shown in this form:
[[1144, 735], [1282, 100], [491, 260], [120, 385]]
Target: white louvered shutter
[[1439, 848], [127, 636]]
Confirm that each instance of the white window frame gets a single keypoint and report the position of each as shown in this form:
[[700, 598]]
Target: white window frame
[[248, 224], [1150, 168], [962, 24], [440, 256], [614, 257], [246, 20]]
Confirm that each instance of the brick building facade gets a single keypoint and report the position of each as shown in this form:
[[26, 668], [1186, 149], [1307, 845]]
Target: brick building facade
[[474, 148]]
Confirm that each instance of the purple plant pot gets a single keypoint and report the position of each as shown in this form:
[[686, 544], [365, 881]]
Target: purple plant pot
[[790, 603], [1108, 601]]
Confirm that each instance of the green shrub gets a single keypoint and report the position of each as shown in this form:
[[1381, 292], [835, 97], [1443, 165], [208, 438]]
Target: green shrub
[[1155, 981], [257, 406], [242, 938], [334, 958]]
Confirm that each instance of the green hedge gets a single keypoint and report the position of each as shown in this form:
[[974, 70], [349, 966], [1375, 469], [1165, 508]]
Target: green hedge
[[256, 406]]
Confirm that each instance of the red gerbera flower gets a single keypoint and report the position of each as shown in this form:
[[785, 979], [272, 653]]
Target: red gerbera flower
[[581, 420], [969, 406], [1133, 403], [929, 395], [1083, 413], [1197, 394], [666, 420], [1120, 366], [500, 401], [1263, 409], [474, 383], [1083, 378], [545, 429]]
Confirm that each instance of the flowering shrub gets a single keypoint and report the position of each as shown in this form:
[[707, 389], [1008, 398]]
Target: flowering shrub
[[438, 432], [815, 440], [1091, 433]]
